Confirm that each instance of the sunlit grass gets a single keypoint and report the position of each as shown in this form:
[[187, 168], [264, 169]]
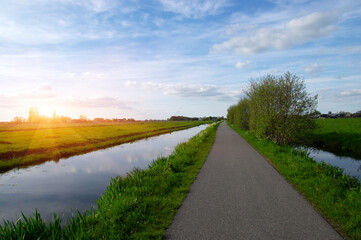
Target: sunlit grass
[[33, 143]]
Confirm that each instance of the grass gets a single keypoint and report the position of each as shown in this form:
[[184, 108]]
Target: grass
[[138, 206], [337, 196], [341, 136], [28, 144]]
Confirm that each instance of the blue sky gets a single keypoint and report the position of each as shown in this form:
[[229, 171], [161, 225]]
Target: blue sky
[[157, 58]]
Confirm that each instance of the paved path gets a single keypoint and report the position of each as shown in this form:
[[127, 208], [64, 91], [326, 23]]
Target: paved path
[[239, 195]]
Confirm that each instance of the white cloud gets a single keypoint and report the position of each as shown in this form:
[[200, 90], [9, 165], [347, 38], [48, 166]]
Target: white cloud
[[96, 102], [329, 80], [234, 28], [158, 22], [193, 8], [190, 90], [60, 21], [44, 88], [9, 102], [355, 92], [85, 75], [241, 65], [297, 31], [313, 68], [100, 5], [336, 100]]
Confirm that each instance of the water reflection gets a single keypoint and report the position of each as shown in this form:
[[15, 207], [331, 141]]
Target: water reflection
[[74, 183], [350, 165]]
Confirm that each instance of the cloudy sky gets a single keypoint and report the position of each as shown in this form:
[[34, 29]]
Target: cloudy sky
[[151, 59]]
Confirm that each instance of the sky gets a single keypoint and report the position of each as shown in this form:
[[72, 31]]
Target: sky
[[152, 59]]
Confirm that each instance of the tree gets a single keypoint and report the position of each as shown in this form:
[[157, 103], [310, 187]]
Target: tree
[[279, 107], [84, 118], [18, 119], [239, 114], [231, 113], [34, 116], [242, 114]]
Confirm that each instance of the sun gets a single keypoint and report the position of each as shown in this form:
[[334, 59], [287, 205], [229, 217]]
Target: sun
[[46, 109]]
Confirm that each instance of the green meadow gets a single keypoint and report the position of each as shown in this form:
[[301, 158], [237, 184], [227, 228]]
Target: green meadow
[[341, 136], [29, 144]]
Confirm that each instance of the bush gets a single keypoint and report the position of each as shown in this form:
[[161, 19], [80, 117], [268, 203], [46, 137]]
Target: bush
[[276, 108]]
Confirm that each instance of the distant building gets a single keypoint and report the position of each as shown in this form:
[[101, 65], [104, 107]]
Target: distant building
[[77, 120], [98, 120]]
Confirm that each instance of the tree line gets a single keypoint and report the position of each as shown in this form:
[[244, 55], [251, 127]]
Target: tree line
[[277, 108]]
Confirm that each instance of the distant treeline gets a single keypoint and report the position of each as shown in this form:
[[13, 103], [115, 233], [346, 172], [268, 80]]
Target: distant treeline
[[277, 108], [183, 118], [340, 114], [35, 117]]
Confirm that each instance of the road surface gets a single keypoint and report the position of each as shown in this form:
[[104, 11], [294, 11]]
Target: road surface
[[239, 195]]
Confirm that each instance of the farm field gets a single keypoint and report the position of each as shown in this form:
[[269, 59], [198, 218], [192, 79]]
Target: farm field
[[341, 136], [28, 144]]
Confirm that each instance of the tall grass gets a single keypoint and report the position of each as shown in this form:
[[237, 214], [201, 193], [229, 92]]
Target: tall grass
[[336, 195], [138, 206]]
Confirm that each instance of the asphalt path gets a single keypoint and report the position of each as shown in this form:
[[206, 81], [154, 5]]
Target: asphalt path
[[239, 195]]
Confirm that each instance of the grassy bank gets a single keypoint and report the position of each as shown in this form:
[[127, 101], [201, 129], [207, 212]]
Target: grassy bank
[[341, 136], [28, 144], [335, 195], [138, 206]]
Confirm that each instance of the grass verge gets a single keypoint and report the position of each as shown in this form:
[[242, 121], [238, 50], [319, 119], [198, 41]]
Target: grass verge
[[336, 196], [138, 206]]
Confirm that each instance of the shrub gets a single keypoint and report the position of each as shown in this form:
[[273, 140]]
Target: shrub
[[276, 108]]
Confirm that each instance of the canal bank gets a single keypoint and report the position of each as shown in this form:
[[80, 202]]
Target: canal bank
[[349, 165], [335, 195], [138, 205], [76, 182]]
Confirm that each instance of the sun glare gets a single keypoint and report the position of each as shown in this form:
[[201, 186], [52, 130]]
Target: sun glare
[[44, 109], [47, 110]]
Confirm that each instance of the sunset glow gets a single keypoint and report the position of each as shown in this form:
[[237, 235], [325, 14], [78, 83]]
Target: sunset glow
[[154, 59]]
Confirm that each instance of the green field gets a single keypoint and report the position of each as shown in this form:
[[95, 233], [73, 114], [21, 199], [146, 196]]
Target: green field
[[28, 144], [138, 206], [336, 196], [341, 136]]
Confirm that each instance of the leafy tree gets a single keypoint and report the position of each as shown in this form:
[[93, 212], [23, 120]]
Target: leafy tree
[[231, 114], [242, 113], [239, 114], [279, 107], [317, 112]]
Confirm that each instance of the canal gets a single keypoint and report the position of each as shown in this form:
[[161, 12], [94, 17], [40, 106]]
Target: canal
[[75, 183]]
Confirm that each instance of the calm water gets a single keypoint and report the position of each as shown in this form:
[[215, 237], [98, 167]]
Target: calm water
[[349, 165], [76, 182]]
